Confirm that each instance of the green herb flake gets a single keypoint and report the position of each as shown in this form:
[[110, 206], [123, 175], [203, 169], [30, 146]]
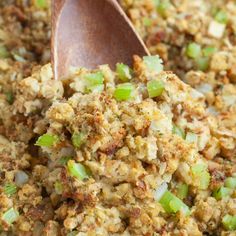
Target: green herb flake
[[9, 97]]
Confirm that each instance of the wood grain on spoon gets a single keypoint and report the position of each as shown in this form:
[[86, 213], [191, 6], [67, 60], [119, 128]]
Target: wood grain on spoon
[[88, 33]]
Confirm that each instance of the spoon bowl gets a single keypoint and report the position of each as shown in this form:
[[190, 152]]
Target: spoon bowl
[[88, 33]]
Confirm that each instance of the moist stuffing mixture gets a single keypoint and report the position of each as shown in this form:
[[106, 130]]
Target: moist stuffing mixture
[[134, 151]]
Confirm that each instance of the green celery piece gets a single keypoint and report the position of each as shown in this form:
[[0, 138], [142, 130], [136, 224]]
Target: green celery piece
[[200, 171], [123, 72], [95, 88], [41, 4], [202, 63], [208, 51], [78, 139], [204, 180], [198, 168], [58, 187], [72, 233], [147, 21], [4, 53], [221, 193], [163, 6], [221, 17], [47, 140], [165, 201], [94, 78], [155, 88], [153, 63], [10, 216], [77, 170], [193, 50], [182, 191], [9, 189], [230, 182], [156, 2], [178, 131], [172, 204], [124, 92], [229, 222], [64, 160]]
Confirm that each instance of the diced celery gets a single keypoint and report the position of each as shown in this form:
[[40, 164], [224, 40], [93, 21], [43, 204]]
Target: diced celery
[[163, 6], [198, 168], [229, 222], [204, 180], [193, 50], [202, 63], [95, 88], [78, 139], [182, 191], [94, 78], [47, 140], [221, 192], [147, 21], [155, 88], [230, 182], [123, 72], [64, 160], [221, 17], [41, 4], [124, 92], [58, 187], [77, 170], [178, 131], [201, 173], [153, 63], [10, 216], [208, 51], [165, 201], [4, 53], [172, 204], [9, 189], [156, 2], [73, 233]]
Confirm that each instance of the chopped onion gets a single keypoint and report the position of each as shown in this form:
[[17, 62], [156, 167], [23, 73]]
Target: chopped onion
[[21, 178], [216, 29]]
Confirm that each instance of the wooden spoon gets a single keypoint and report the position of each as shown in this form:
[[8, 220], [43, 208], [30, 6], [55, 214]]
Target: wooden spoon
[[88, 33]]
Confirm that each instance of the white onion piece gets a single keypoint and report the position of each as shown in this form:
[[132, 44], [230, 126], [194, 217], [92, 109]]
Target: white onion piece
[[21, 178], [159, 192], [191, 137], [205, 88], [216, 29]]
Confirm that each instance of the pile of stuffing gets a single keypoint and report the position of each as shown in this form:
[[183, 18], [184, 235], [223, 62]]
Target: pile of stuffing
[[134, 151]]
